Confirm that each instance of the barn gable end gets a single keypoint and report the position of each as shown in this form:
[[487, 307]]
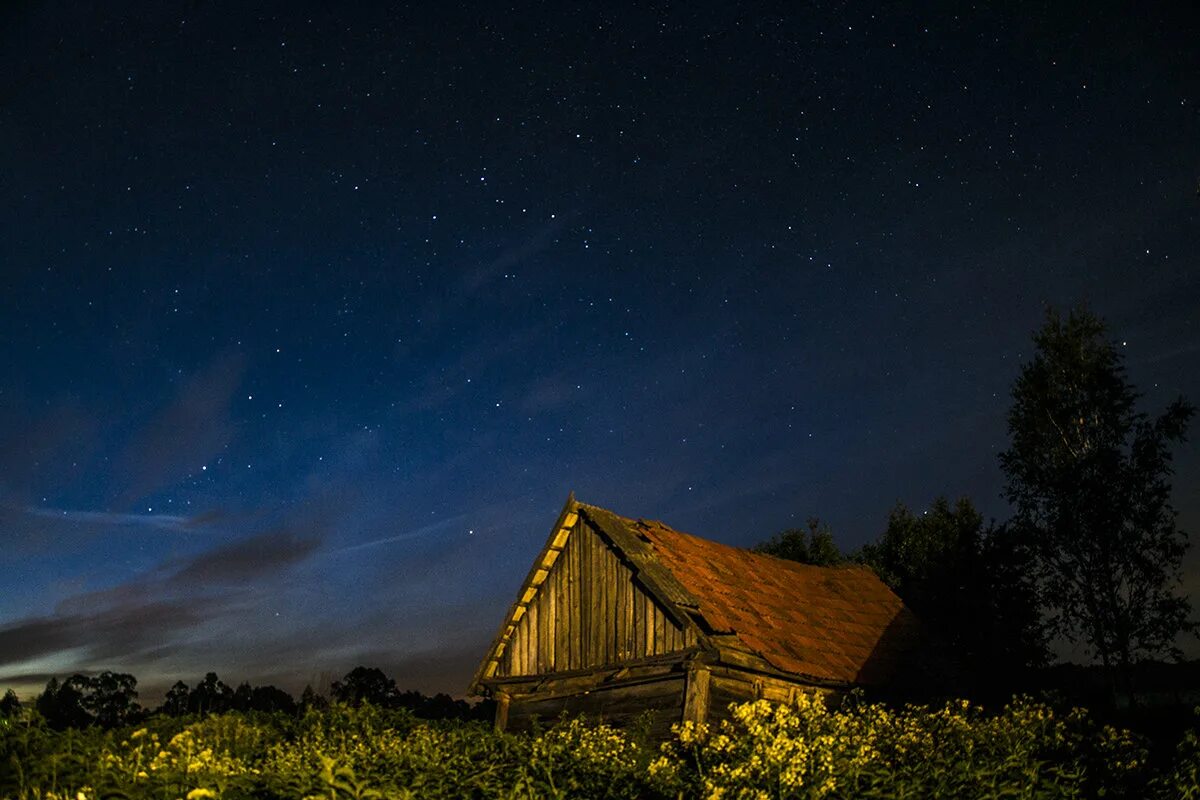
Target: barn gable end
[[589, 610]]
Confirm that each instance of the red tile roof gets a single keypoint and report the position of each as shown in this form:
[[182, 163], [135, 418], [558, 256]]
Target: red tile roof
[[838, 624]]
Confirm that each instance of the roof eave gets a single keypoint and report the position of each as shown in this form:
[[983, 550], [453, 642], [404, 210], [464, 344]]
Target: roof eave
[[546, 558]]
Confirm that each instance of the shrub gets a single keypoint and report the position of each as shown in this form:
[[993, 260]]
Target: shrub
[[806, 750], [869, 751]]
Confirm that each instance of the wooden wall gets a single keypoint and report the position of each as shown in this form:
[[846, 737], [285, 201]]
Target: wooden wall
[[660, 701], [588, 613], [731, 685]]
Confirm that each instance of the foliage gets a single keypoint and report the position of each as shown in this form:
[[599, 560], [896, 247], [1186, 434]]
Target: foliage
[[365, 685], [1089, 479], [1182, 780], [967, 582], [211, 696], [871, 751], [811, 545], [370, 685], [10, 705], [261, 698], [108, 699], [175, 704], [860, 750]]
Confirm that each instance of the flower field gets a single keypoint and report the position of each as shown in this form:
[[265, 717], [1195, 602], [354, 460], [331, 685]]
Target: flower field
[[861, 750]]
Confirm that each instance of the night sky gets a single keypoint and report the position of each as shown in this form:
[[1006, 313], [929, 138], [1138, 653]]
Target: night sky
[[311, 316]]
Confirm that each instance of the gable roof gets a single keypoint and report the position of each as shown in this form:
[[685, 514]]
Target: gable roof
[[839, 624], [836, 625]]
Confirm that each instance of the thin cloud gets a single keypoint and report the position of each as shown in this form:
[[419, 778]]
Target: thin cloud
[[149, 617], [191, 429], [171, 522], [249, 559], [400, 537]]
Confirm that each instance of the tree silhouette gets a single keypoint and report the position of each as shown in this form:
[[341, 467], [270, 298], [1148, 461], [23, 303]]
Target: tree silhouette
[[309, 699], [111, 699], [211, 696], [365, 685], [175, 704], [967, 582], [811, 545], [1089, 479], [262, 698], [10, 705], [108, 699]]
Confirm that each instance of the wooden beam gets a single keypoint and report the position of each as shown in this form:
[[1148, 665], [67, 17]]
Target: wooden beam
[[502, 702], [695, 697]]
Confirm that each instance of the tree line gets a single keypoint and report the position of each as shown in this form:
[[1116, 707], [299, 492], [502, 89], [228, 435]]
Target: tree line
[[1092, 554], [110, 699]]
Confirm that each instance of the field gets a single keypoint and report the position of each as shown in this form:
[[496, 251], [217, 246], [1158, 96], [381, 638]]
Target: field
[[862, 750]]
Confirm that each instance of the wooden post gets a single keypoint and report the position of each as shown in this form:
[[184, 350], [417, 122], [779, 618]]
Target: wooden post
[[695, 695], [502, 700]]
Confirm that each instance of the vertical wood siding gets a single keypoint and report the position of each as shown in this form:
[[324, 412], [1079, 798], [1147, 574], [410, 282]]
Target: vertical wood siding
[[588, 613]]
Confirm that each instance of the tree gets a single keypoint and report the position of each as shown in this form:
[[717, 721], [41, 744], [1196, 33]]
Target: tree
[[811, 545], [211, 696], [262, 698], [365, 685], [10, 705], [175, 704], [966, 582], [111, 699], [1088, 476], [61, 705], [108, 700], [310, 699]]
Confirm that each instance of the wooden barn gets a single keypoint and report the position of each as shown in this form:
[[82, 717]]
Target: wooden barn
[[619, 617]]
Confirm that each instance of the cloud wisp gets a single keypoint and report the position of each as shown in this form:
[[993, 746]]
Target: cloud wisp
[[144, 618], [165, 522], [190, 430]]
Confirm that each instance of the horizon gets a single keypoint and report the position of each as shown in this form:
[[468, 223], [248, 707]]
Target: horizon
[[313, 316]]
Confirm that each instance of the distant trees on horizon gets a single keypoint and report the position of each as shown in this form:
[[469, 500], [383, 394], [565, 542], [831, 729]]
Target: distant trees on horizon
[[109, 699]]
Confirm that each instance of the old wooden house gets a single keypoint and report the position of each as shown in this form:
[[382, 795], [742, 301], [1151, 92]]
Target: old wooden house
[[619, 617]]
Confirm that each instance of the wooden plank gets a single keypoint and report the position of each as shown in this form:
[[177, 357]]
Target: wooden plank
[[585, 597], [576, 660], [635, 648], [648, 612], [545, 630], [659, 631], [523, 633], [534, 647], [619, 616], [502, 705], [663, 702], [695, 701], [596, 639], [598, 607], [528, 638], [514, 644], [560, 627], [627, 592], [607, 639]]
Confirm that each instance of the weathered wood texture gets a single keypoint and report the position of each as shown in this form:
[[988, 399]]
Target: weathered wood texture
[[589, 612], [659, 701], [695, 699], [735, 686]]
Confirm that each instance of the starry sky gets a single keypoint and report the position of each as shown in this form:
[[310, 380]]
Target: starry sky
[[311, 315]]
